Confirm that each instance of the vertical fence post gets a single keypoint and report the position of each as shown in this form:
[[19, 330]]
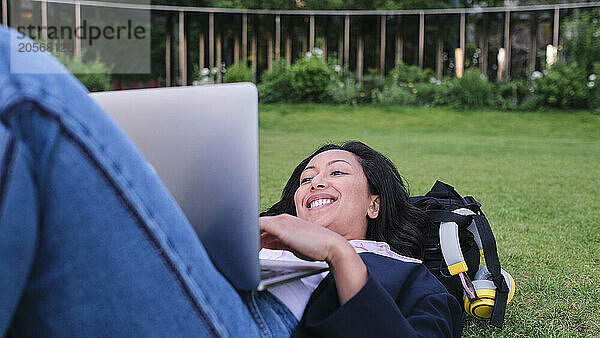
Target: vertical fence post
[[324, 47], [236, 49], [556, 27], [311, 33], [254, 55], [421, 37], [341, 45], [168, 57], [346, 39], [219, 61], [277, 37], [383, 20], [462, 38], [288, 49], [5, 12], [245, 39], [201, 52], [399, 43], [359, 57], [507, 43], [211, 40], [484, 45], [304, 42], [270, 52], [438, 57], [182, 49], [77, 24], [44, 10]]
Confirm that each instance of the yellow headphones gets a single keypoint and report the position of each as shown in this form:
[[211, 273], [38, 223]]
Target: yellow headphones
[[482, 305], [480, 295]]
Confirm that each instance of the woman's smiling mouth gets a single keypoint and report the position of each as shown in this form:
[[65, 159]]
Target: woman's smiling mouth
[[320, 201]]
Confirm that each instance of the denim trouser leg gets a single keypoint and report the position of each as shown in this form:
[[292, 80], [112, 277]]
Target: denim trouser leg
[[273, 318], [91, 243]]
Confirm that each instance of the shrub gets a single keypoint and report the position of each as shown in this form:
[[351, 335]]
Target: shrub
[[94, 75], [346, 92], [472, 90], [311, 80], [434, 92], [511, 95], [238, 72], [396, 94], [372, 84], [276, 84], [404, 74], [564, 86]]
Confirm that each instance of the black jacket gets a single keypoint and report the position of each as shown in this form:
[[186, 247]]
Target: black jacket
[[399, 300]]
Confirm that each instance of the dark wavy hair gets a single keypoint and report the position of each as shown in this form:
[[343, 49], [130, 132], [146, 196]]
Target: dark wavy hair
[[399, 223]]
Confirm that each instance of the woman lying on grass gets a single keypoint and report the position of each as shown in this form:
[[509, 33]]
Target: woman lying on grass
[[347, 199]]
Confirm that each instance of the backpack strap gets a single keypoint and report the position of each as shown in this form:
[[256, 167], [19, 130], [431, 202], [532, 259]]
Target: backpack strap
[[438, 216], [493, 265]]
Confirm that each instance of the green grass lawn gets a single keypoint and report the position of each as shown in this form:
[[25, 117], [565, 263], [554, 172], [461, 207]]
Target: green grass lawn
[[536, 174]]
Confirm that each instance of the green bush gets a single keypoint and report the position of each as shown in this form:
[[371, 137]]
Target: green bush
[[472, 90], [311, 80], [511, 95], [563, 86], [238, 72], [404, 74], [372, 84], [346, 92], [276, 84], [396, 94], [94, 75], [433, 93]]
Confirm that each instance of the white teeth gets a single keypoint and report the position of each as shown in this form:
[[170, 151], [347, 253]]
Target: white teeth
[[320, 202]]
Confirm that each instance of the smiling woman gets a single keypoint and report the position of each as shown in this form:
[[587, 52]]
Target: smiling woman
[[333, 193], [371, 192], [339, 202]]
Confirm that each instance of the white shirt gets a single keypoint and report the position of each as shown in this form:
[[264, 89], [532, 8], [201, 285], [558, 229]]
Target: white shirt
[[295, 294]]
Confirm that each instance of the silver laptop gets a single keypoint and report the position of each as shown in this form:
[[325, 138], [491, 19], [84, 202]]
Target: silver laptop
[[203, 143]]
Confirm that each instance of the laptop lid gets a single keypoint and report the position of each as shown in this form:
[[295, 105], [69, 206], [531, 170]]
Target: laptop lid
[[203, 143]]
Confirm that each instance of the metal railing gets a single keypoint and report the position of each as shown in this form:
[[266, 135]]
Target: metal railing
[[214, 44]]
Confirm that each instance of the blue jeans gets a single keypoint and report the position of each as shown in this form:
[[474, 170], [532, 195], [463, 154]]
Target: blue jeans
[[91, 242]]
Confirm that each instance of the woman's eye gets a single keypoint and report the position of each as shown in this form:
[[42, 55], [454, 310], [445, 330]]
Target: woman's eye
[[337, 173], [306, 179]]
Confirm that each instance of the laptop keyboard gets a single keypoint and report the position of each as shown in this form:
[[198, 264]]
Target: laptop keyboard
[[270, 272]]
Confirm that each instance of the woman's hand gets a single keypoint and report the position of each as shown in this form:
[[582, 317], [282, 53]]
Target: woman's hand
[[313, 242], [306, 240]]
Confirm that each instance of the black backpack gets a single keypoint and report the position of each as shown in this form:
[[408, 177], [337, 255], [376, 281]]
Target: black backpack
[[438, 204]]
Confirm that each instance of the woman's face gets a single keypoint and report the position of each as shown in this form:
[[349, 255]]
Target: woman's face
[[333, 193]]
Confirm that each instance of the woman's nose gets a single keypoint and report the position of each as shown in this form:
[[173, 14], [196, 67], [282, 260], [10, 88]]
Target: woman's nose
[[317, 183]]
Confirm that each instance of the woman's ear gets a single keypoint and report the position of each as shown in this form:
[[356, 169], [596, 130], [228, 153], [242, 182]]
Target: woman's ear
[[373, 210]]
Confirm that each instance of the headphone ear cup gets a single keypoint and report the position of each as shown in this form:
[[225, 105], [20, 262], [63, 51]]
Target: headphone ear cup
[[481, 308], [486, 292]]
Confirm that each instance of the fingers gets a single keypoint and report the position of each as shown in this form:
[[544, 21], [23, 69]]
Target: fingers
[[304, 239], [269, 241], [272, 224]]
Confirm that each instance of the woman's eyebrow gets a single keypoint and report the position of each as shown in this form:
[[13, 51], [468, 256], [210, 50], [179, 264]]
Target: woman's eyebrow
[[328, 164], [334, 161]]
